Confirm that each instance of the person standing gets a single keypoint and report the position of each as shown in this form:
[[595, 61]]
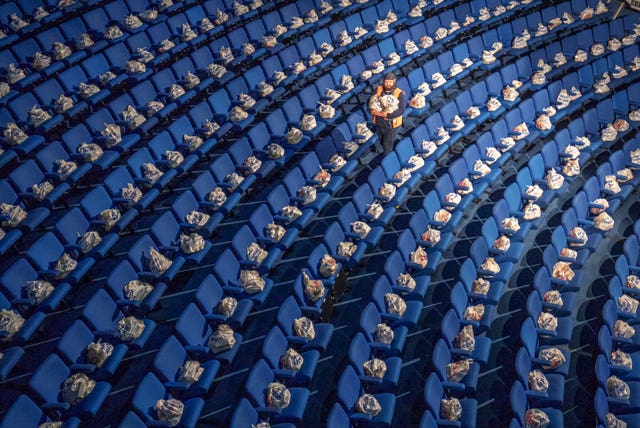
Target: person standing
[[388, 122]]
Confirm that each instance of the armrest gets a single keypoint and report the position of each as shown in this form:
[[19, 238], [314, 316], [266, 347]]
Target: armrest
[[618, 401], [85, 368], [297, 340], [370, 379], [486, 273], [178, 386], [55, 406], [249, 263], [215, 317], [127, 302], [168, 248], [104, 333], [536, 394], [360, 417], [352, 236], [48, 273], [453, 385], [575, 240], [546, 332], [456, 351], [197, 348], [539, 361], [22, 301], [72, 247], [289, 374]]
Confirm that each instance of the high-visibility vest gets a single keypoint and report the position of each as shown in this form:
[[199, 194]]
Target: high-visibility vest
[[396, 121]]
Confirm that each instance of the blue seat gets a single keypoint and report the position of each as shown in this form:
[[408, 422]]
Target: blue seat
[[103, 315], [502, 211], [136, 164], [242, 239], [119, 105], [348, 215], [185, 204], [25, 51], [394, 267], [369, 320], [617, 405], [441, 358], [261, 217], [119, 277], [141, 95], [70, 229], [49, 91], [246, 415], [520, 404], [14, 280], [46, 384], [542, 282], [241, 150], [10, 358], [411, 315], [273, 348], [25, 412], [168, 364], [29, 174], [227, 269], [161, 31], [99, 200], [333, 236], [202, 186], [451, 326], [310, 165], [562, 334], [460, 301], [479, 252], [222, 167], [208, 297], [49, 157], [325, 149], [363, 197], [310, 308], [97, 123], [605, 342], [350, 389], [553, 397], [139, 256], [360, 352], [609, 315], [193, 330], [256, 385], [295, 180], [406, 245], [433, 394], [288, 313], [530, 342], [338, 417], [29, 327], [20, 107], [167, 232], [72, 347], [45, 253], [491, 233], [150, 390]]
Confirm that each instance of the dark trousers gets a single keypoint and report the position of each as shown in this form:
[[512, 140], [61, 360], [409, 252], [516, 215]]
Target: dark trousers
[[387, 137]]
